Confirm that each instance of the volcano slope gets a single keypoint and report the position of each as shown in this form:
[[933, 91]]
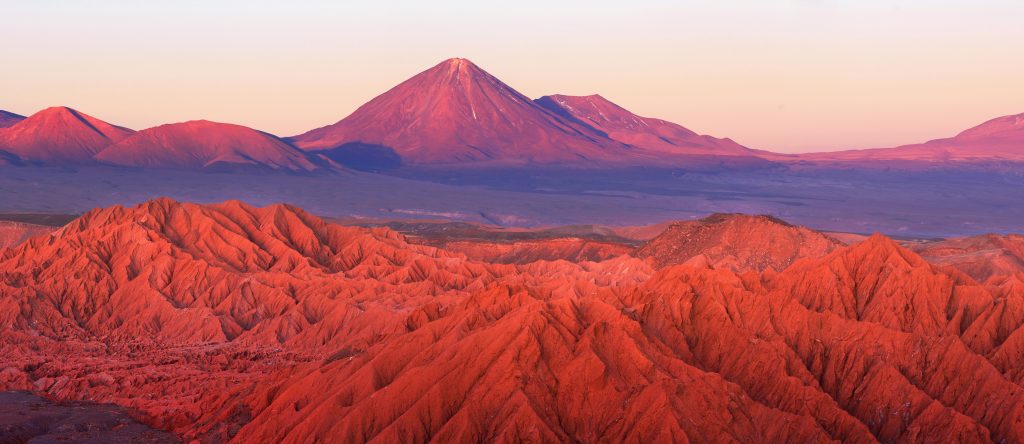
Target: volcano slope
[[459, 115], [234, 323]]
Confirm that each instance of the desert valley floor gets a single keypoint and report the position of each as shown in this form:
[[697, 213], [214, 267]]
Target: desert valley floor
[[906, 203]]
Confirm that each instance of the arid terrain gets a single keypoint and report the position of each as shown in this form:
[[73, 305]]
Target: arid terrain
[[457, 262], [230, 322]]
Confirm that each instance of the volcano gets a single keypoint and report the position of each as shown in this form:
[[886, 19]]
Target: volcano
[[457, 113], [201, 144], [644, 132], [60, 135]]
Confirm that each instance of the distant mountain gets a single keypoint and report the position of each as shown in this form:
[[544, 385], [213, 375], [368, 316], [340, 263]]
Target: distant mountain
[[999, 139], [202, 144], [59, 135], [457, 113], [644, 132], [8, 118]]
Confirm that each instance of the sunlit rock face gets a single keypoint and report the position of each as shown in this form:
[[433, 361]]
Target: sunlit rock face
[[230, 322]]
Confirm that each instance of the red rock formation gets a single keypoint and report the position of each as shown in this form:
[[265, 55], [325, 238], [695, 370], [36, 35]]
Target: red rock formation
[[204, 144], [59, 135], [14, 233], [737, 242], [229, 322], [981, 257], [456, 112], [626, 127], [642, 233], [878, 281], [689, 354]]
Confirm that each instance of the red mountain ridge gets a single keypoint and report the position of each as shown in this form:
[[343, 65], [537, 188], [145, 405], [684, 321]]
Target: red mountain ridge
[[233, 323]]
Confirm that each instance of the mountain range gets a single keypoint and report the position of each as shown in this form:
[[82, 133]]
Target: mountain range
[[229, 322], [453, 115], [457, 113], [999, 139]]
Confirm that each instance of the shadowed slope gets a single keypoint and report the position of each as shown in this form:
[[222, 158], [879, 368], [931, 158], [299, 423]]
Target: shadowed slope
[[25, 418], [8, 118]]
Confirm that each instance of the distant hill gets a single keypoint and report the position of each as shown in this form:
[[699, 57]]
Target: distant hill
[[201, 144], [60, 135], [999, 139], [8, 118]]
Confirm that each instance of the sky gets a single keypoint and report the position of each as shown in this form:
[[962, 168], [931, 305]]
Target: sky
[[784, 75]]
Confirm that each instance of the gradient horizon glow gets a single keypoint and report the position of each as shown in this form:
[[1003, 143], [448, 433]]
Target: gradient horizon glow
[[788, 76]]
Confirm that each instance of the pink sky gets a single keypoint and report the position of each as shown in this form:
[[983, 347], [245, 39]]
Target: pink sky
[[783, 75]]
